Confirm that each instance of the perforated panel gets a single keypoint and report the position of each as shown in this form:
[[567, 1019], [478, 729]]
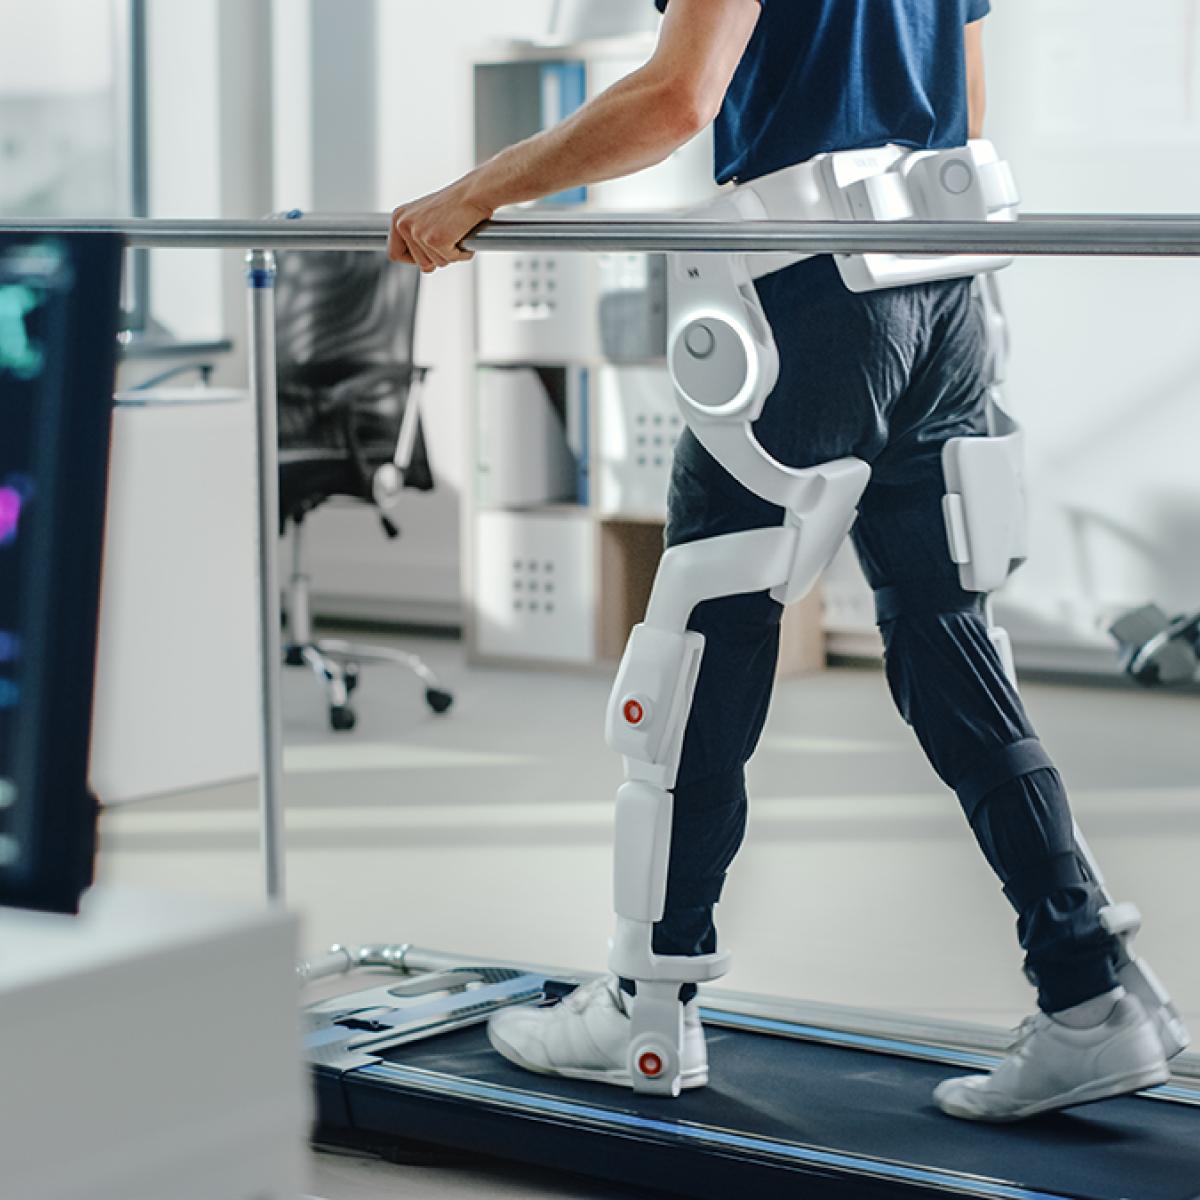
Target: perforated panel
[[535, 587], [639, 427]]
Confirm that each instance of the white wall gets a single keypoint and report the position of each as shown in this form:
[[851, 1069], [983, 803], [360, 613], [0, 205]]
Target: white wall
[[56, 46], [185, 159], [245, 165], [210, 139], [62, 137], [1098, 111]]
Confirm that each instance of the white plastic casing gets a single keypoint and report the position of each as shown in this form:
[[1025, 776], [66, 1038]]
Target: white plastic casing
[[642, 843], [658, 674], [655, 1047], [969, 183], [823, 526], [631, 957], [985, 508]]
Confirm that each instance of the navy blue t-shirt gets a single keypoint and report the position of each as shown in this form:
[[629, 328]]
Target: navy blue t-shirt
[[843, 75]]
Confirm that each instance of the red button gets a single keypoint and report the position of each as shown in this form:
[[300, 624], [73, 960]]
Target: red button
[[634, 713], [650, 1065]]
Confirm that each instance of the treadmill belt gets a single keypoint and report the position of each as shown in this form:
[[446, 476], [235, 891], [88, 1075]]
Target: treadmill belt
[[850, 1122]]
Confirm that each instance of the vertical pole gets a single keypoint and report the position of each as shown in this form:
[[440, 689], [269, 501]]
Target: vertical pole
[[260, 277], [139, 155]]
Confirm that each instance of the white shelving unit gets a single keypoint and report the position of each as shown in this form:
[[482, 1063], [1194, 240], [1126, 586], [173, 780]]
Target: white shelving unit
[[573, 419], [563, 529]]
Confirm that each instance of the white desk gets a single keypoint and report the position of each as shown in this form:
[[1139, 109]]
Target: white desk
[[150, 1048], [177, 692]]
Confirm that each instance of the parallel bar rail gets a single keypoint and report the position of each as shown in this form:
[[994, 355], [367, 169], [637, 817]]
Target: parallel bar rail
[[1090, 235]]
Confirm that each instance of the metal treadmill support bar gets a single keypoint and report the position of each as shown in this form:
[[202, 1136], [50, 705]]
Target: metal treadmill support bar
[[406, 959], [341, 960], [1091, 235]]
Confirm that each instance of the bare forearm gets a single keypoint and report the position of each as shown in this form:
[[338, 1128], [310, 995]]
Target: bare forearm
[[637, 123], [633, 125], [978, 106], [976, 79]]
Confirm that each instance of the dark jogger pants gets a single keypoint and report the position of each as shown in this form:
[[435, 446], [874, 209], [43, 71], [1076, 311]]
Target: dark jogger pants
[[888, 376]]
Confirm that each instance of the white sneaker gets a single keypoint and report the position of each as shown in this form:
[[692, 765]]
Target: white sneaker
[[1053, 1065], [586, 1036]]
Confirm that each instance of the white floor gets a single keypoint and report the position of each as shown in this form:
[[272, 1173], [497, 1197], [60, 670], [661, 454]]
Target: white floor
[[487, 831]]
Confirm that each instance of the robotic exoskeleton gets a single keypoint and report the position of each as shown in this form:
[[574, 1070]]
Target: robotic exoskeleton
[[724, 364]]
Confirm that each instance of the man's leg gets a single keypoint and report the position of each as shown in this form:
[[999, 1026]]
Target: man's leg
[[845, 360], [839, 376], [950, 686], [1091, 1040], [589, 1035], [729, 706]]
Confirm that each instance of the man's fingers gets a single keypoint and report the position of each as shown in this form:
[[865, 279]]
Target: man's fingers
[[413, 253], [422, 259], [458, 254], [407, 248], [411, 239], [398, 250], [424, 255], [431, 251], [453, 252]]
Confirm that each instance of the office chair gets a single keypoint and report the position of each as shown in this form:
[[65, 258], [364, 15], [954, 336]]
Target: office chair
[[1159, 649], [349, 425]]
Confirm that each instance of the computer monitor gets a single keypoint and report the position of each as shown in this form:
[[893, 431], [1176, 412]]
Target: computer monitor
[[59, 311]]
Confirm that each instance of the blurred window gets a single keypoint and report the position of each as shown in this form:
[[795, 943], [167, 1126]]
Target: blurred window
[[72, 116]]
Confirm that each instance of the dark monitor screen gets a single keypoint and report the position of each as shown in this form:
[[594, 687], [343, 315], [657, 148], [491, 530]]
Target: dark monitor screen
[[59, 308]]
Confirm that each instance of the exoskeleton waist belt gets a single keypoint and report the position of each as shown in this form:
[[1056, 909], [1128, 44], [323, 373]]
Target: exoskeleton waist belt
[[967, 183]]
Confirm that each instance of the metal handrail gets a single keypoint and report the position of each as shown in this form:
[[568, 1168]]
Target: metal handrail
[[1088, 235]]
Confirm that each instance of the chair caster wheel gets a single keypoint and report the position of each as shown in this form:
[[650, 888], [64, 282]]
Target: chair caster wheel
[[342, 718], [438, 700], [293, 656]]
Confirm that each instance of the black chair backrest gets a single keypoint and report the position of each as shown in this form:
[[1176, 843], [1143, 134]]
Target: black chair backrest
[[338, 312], [344, 330]]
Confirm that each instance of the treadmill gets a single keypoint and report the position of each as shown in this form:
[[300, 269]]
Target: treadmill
[[804, 1100]]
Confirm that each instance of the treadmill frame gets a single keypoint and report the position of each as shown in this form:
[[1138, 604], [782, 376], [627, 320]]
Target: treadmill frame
[[442, 1109]]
